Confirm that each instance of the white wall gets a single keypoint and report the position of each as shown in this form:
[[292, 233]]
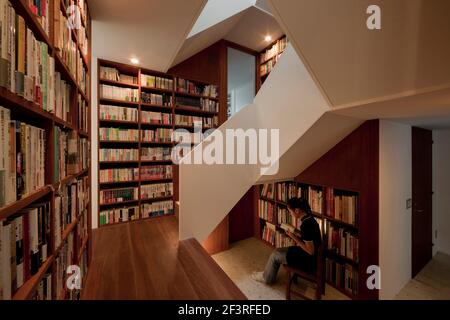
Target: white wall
[[395, 219], [241, 78], [441, 188]]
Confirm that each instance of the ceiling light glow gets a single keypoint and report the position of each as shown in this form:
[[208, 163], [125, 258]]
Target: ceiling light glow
[[134, 61], [268, 38]]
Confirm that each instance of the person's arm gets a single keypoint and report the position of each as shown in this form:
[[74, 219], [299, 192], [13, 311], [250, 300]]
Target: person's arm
[[307, 246]]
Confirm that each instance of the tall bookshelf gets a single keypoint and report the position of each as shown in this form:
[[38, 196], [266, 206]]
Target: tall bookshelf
[[55, 99], [269, 57], [160, 102], [335, 210]]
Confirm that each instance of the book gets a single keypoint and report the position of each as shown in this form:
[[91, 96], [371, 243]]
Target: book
[[119, 175], [156, 82], [153, 191], [108, 112], [109, 155], [156, 172], [157, 209], [158, 135], [118, 134], [112, 196], [164, 99], [117, 215], [118, 93]]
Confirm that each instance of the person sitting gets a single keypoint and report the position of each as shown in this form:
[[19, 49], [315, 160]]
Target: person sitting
[[303, 255]]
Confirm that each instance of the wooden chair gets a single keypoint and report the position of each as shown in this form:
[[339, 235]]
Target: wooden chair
[[317, 278]]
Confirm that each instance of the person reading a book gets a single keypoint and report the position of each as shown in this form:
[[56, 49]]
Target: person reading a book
[[303, 255]]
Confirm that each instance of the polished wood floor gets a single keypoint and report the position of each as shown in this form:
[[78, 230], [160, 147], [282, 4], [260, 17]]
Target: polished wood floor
[[144, 260]]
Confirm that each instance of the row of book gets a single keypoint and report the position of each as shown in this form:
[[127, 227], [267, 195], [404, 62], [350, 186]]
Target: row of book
[[83, 39], [83, 79], [119, 175], [157, 209], [203, 104], [315, 198], [156, 82], [286, 191], [156, 117], [118, 215], [156, 154], [64, 42], [187, 86], [275, 50], [108, 112], [342, 242], [118, 195], [65, 258], [207, 122], [44, 288], [112, 74], [158, 135], [108, 155], [118, 134], [41, 10], [118, 93], [343, 276], [154, 191], [72, 154], [83, 115], [342, 207], [65, 210], [156, 172], [164, 99], [22, 158], [24, 247], [268, 191], [267, 211], [275, 237]]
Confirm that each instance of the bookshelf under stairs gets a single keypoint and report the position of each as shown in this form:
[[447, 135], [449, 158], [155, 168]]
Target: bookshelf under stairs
[[45, 210], [337, 213], [139, 109]]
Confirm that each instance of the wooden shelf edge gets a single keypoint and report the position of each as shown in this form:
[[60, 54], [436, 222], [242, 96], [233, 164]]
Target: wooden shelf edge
[[16, 206], [136, 220], [25, 291], [118, 83]]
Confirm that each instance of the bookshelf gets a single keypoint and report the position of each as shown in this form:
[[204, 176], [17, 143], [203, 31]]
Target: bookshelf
[[139, 163], [269, 57], [46, 102], [335, 210]]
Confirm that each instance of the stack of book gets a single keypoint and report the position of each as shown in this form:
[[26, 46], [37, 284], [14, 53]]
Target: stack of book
[[108, 112], [343, 276], [118, 195], [342, 242], [159, 135], [156, 154], [267, 211], [117, 134], [184, 120], [25, 246], [154, 191], [315, 196], [117, 215], [64, 42], [118, 93], [108, 155], [119, 175], [156, 117], [113, 74], [65, 210], [268, 191], [342, 207], [41, 10], [286, 191], [187, 86], [156, 172], [284, 217], [22, 158], [156, 82], [156, 209], [157, 99]]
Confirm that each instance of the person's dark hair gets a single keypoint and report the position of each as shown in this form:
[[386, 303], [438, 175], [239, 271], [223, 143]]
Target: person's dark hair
[[299, 203]]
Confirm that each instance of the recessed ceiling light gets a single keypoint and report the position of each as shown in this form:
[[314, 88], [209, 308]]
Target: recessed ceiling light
[[268, 38], [134, 61]]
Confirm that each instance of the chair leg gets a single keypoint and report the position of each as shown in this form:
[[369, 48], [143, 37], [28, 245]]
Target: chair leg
[[288, 286]]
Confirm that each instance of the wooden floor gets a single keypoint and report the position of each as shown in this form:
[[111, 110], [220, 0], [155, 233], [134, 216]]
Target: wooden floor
[[144, 260]]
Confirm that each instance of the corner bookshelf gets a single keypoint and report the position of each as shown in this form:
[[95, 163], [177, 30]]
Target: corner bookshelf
[[269, 57], [335, 210], [145, 106], [45, 201]]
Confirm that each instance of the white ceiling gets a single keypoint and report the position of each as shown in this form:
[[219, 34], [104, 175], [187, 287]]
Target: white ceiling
[[247, 28], [152, 31]]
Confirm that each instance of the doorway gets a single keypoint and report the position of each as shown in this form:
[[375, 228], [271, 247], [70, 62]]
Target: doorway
[[422, 198]]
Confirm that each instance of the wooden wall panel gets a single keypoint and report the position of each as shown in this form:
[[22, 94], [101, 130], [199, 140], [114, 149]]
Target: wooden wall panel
[[242, 223], [353, 164], [209, 65]]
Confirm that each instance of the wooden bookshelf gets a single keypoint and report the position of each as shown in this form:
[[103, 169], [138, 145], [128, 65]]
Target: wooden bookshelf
[[164, 85], [267, 61], [322, 200], [33, 114]]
